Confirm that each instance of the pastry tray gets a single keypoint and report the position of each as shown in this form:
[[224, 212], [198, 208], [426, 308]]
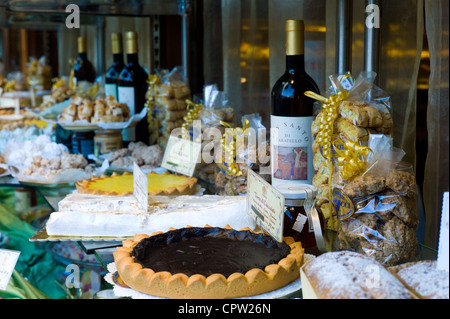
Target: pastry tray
[[42, 236]]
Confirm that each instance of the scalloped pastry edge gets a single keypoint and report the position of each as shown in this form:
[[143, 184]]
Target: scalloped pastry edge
[[216, 286]]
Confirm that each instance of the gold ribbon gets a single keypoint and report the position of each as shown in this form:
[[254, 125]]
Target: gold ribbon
[[229, 165], [192, 114], [72, 84], [329, 113], [153, 81], [350, 161]]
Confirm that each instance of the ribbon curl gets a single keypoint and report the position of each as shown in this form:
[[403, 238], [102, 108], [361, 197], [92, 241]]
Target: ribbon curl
[[329, 113], [228, 144], [349, 160], [153, 81]]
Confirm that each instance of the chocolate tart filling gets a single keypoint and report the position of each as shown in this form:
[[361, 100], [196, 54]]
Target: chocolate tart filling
[[207, 251]]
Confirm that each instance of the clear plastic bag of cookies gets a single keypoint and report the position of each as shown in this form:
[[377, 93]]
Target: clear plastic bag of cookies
[[377, 211], [166, 102], [252, 153], [365, 111]]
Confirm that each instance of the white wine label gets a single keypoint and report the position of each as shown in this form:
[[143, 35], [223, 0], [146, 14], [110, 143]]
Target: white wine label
[[111, 89], [126, 95], [291, 150]]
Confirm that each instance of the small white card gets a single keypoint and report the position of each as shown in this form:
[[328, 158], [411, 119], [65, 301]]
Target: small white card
[[181, 155], [140, 187], [442, 259], [8, 260], [265, 205]]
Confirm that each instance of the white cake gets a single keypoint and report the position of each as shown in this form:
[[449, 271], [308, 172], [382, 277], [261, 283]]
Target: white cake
[[119, 216]]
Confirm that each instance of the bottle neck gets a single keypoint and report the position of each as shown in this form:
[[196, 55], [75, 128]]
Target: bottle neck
[[118, 57], [82, 55], [132, 58], [295, 63]]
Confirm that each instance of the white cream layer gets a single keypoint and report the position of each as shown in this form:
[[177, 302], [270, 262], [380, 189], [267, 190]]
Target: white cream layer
[[88, 217]]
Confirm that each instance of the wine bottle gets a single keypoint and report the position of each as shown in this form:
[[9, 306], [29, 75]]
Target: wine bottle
[[132, 88], [292, 115], [83, 69], [113, 73]]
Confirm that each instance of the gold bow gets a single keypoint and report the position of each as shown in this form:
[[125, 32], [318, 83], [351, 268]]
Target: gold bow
[[329, 113], [350, 161], [229, 165], [192, 114], [153, 81]]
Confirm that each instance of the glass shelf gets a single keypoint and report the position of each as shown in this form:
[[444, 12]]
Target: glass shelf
[[100, 7]]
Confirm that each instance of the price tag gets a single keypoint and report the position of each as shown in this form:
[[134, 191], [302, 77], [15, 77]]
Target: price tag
[[181, 155], [442, 259], [8, 260], [140, 187], [265, 205]]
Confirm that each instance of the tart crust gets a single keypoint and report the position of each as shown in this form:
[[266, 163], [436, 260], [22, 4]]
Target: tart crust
[[187, 187], [215, 286]]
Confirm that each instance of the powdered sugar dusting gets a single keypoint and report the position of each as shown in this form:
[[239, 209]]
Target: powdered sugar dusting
[[426, 279], [349, 275]]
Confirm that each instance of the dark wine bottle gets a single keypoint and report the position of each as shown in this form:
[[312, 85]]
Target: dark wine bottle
[[113, 72], [132, 89], [83, 68], [292, 115]]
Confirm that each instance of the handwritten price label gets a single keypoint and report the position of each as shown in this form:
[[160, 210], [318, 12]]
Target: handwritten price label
[[265, 205], [8, 260]]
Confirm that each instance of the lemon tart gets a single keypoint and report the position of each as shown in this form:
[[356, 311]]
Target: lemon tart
[[122, 184], [208, 262]]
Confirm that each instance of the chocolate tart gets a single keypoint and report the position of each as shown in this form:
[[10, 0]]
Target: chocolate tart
[[122, 184], [208, 263]]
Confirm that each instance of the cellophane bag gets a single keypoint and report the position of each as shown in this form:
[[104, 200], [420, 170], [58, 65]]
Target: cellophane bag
[[208, 117], [377, 211], [253, 152], [166, 102], [365, 111]]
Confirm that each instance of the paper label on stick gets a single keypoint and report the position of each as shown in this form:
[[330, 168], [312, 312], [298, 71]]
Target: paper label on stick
[[181, 155], [265, 205], [140, 187], [8, 260], [442, 259]]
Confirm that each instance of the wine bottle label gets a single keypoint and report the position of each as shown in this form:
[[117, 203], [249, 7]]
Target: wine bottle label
[[291, 150], [126, 95], [111, 89]]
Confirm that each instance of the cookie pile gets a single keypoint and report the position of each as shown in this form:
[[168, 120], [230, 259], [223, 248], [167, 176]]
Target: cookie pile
[[85, 109], [385, 220]]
